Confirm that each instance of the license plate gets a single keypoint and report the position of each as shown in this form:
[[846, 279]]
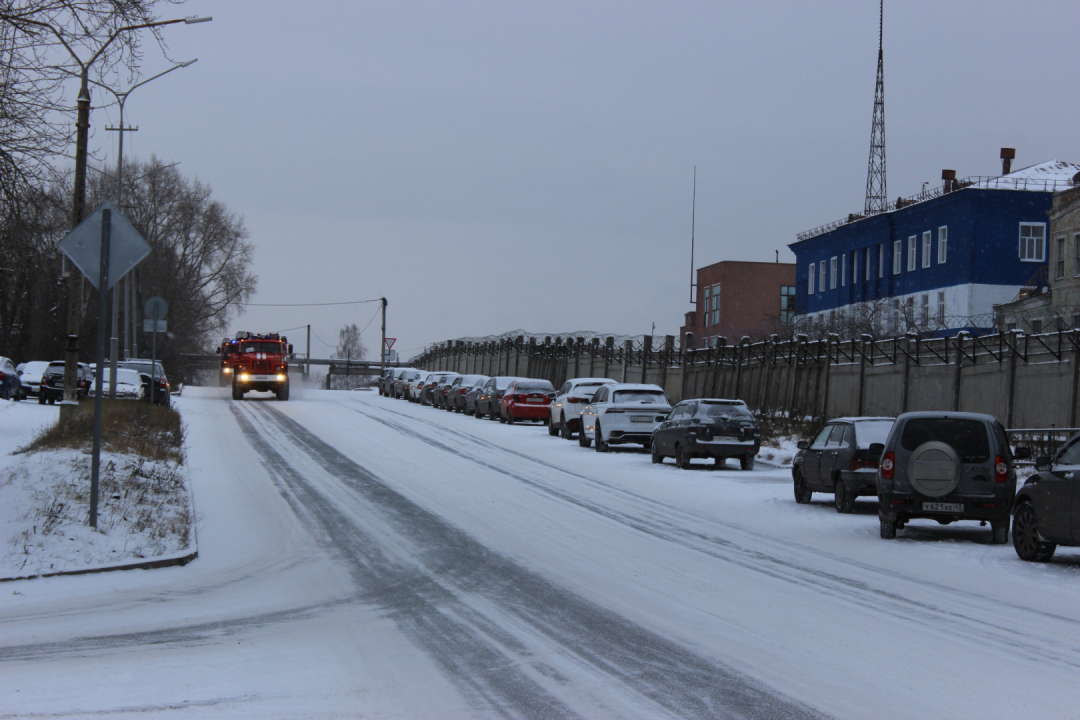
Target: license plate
[[534, 400], [942, 507], [641, 418], [727, 438]]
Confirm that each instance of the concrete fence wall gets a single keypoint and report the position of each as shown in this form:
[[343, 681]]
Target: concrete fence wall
[[1026, 381]]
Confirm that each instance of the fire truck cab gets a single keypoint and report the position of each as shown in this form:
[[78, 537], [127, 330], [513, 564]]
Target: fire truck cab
[[256, 362]]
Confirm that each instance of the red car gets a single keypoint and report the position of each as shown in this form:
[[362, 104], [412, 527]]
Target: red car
[[526, 400]]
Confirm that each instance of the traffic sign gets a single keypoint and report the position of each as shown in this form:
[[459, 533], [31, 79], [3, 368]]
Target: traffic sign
[[155, 325], [390, 342], [126, 246], [156, 307]]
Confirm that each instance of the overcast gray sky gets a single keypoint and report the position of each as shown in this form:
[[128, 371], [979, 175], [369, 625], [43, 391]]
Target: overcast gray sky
[[488, 166]]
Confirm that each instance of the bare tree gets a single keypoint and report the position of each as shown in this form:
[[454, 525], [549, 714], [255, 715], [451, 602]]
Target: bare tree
[[350, 344]]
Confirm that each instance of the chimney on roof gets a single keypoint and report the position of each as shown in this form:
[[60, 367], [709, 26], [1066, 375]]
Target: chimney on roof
[[1007, 156], [949, 176]]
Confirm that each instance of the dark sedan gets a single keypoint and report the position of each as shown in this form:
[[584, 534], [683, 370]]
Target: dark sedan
[[1047, 509], [707, 428], [839, 460], [487, 402]]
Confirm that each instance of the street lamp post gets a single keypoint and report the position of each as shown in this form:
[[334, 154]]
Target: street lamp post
[[121, 98]]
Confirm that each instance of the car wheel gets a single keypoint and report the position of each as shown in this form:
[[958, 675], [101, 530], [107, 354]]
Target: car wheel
[[601, 446], [583, 439], [509, 417], [553, 429], [564, 429], [1025, 531], [747, 462], [682, 460], [888, 530], [1000, 530], [51, 401], [803, 494], [41, 398], [657, 458], [845, 503]]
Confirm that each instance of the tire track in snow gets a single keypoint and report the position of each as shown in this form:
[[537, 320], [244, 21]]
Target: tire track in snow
[[672, 677], [975, 620]]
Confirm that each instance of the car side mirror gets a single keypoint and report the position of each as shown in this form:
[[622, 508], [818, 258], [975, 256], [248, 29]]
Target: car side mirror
[[1042, 463], [802, 445], [875, 451], [1021, 453]]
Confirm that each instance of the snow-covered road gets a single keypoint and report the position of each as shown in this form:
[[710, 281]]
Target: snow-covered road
[[362, 556]]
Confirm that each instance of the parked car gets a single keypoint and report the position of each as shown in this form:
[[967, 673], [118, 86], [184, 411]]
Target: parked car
[[160, 395], [10, 385], [442, 388], [473, 394], [565, 411], [30, 377], [946, 467], [416, 386], [1047, 509], [130, 384], [427, 396], [708, 428], [622, 413], [526, 399], [459, 388], [839, 461], [487, 402], [403, 383], [52, 382], [399, 380]]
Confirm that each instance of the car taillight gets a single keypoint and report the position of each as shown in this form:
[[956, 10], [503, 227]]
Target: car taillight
[[577, 400], [887, 466], [464, 391], [1001, 469], [860, 464]]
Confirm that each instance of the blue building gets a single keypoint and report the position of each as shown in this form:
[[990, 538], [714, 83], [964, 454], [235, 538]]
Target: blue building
[[935, 263]]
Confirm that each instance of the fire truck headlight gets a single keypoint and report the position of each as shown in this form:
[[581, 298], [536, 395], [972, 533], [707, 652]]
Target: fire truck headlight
[[281, 377], [243, 377], [227, 370]]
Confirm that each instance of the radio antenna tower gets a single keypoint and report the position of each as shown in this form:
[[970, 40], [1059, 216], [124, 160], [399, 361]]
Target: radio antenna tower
[[876, 200]]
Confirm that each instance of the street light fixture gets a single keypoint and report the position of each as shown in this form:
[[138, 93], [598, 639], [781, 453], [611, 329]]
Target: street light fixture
[[121, 99]]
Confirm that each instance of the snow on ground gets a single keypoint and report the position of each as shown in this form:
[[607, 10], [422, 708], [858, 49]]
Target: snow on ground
[[365, 557], [144, 509]]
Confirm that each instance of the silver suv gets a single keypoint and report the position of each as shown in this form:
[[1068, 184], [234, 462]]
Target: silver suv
[[946, 467]]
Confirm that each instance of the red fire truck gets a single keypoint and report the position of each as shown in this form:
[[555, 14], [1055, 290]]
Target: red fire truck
[[256, 362]]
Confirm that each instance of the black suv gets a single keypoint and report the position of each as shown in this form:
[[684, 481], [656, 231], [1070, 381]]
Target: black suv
[[152, 373], [839, 460], [947, 467], [52, 382], [1047, 510], [707, 428]]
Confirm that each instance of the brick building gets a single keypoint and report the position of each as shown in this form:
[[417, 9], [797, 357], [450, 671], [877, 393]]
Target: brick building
[[742, 298]]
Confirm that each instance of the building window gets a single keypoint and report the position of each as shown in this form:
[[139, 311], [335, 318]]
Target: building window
[[942, 244], [867, 252], [881, 260], [708, 294], [1032, 242], [1059, 323], [1009, 327], [941, 307], [925, 309], [843, 270], [832, 273], [813, 271], [897, 256], [821, 276], [911, 253], [1076, 254], [716, 304], [1036, 325], [926, 243], [1059, 260], [787, 304]]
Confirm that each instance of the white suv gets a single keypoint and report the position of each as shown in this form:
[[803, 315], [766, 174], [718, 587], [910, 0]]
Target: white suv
[[566, 408], [623, 413]]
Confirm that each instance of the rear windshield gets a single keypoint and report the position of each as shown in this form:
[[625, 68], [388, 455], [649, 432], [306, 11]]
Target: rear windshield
[[967, 437], [648, 397], [734, 410], [544, 387], [868, 432]]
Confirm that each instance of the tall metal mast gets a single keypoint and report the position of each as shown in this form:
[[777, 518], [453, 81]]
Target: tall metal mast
[[876, 194]]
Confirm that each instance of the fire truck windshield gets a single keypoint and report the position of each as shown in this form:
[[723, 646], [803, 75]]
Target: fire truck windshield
[[262, 347]]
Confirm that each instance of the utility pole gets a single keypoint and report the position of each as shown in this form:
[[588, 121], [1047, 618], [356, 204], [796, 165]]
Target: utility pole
[[383, 348], [307, 356]]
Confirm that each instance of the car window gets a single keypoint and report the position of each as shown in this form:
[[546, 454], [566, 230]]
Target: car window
[[819, 441], [836, 438], [968, 437], [535, 386], [647, 397], [677, 412], [730, 410], [868, 432], [1070, 455]]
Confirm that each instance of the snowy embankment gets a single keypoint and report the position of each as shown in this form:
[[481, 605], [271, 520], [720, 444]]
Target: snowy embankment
[[145, 510]]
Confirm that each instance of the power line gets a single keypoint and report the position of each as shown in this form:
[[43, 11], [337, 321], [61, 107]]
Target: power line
[[352, 302]]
